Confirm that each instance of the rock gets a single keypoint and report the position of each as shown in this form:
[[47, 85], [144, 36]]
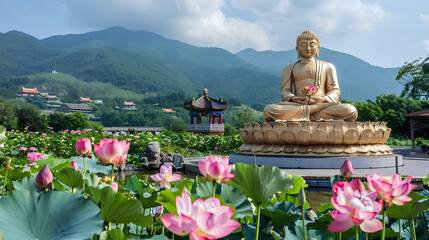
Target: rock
[[152, 156], [178, 162]]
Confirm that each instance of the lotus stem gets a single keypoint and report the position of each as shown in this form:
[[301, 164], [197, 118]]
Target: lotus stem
[[383, 231], [254, 159], [214, 188], [84, 171], [109, 226], [258, 218], [413, 229], [367, 236], [357, 232], [304, 231], [426, 227], [340, 235], [113, 171], [4, 184], [163, 228]]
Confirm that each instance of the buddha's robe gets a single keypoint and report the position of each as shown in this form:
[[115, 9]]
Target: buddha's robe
[[327, 106]]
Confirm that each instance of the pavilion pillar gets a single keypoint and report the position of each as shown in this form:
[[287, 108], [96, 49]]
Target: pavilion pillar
[[413, 147], [220, 119], [191, 120]]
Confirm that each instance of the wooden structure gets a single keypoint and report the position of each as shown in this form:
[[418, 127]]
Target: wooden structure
[[206, 106], [418, 120]]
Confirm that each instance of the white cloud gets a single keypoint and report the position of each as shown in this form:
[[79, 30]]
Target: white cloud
[[203, 22], [334, 18], [425, 44], [198, 22], [425, 18]]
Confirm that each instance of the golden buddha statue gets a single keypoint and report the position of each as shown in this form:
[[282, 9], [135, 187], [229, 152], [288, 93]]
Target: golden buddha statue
[[324, 103]]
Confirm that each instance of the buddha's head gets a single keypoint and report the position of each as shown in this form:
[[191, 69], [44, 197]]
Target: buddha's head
[[308, 45]]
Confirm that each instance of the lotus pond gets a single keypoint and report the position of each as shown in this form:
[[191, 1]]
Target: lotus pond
[[48, 198]]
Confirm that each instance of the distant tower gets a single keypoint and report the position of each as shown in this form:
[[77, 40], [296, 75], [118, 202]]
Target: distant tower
[[55, 65]]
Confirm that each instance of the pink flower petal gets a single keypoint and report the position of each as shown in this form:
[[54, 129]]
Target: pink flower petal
[[337, 226], [371, 226]]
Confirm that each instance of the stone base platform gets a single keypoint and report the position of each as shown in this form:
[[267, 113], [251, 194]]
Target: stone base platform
[[322, 162]]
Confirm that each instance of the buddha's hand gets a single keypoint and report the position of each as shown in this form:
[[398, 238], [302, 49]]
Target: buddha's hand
[[317, 100], [301, 100]]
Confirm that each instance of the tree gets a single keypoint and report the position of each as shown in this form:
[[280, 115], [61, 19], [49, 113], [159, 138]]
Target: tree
[[7, 116], [258, 106], [179, 126], [75, 121], [233, 101], [415, 78], [32, 119], [244, 116]]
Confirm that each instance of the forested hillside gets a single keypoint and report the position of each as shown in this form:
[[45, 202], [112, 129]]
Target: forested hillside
[[145, 63]]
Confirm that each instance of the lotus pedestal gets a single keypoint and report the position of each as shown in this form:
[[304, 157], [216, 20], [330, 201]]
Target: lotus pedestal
[[316, 144]]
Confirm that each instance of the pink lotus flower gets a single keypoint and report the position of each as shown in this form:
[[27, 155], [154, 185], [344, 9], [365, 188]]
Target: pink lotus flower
[[346, 169], [309, 90], [44, 178], [33, 157], [354, 207], [44, 134], [73, 164], [111, 151], [33, 149], [393, 190], [115, 187], [22, 149], [201, 219], [215, 168], [166, 176], [83, 147]]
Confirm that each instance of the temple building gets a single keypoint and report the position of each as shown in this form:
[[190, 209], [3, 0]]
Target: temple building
[[28, 92], [85, 100], [129, 106], [209, 107]]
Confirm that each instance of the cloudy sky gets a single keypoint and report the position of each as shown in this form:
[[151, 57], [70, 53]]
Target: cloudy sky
[[385, 33]]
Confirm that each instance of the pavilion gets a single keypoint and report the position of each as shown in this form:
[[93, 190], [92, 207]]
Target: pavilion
[[206, 106], [418, 120]]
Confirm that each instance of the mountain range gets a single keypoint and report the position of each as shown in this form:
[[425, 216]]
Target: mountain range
[[144, 62]]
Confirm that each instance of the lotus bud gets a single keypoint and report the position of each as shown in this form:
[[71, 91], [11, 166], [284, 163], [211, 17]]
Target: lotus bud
[[346, 169], [301, 197], [73, 164], [115, 186], [83, 147], [44, 178], [157, 212]]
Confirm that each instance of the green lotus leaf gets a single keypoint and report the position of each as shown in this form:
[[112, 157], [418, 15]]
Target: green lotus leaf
[[28, 183], [298, 182], [282, 214], [233, 195], [48, 215], [134, 185], [3, 137], [92, 166], [114, 234], [411, 209], [54, 164], [260, 183], [168, 199], [117, 208], [70, 177], [91, 179], [16, 174]]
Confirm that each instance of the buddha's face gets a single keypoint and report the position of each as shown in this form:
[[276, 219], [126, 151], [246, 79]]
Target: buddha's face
[[307, 48]]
